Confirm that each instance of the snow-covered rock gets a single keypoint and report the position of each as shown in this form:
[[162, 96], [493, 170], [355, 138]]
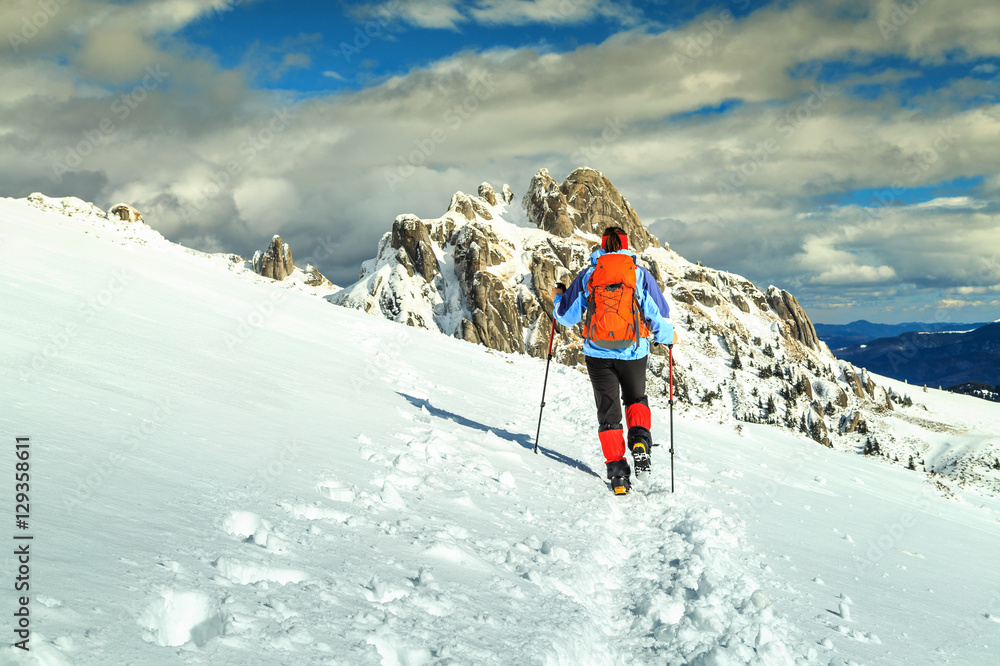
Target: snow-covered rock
[[125, 213], [276, 261]]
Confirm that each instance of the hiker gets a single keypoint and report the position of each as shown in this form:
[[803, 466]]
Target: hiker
[[623, 306]]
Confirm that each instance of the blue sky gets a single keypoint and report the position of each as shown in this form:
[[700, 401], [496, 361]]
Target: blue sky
[[844, 150], [363, 44]]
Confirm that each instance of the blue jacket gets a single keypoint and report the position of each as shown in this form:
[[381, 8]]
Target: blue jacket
[[569, 309]]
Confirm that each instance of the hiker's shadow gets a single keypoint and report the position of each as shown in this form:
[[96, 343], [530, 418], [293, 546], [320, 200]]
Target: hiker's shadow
[[522, 439]]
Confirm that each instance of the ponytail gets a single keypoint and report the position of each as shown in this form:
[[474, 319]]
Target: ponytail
[[614, 239]]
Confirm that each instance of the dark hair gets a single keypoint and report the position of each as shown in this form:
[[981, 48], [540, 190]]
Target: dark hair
[[610, 242]]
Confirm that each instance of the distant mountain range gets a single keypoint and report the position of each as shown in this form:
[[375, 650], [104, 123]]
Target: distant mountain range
[[838, 336], [946, 359]]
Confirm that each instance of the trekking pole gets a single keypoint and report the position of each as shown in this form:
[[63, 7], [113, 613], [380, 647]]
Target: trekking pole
[[670, 349], [552, 336]]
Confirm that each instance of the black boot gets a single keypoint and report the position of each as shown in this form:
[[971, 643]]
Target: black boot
[[620, 473], [640, 442]]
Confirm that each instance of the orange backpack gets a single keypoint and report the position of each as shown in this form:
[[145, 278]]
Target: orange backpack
[[614, 318]]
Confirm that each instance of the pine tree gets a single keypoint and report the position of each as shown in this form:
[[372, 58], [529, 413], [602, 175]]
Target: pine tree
[[828, 410], [737, 364], [911, 465]]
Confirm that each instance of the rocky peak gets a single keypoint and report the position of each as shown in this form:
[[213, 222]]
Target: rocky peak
[[489, 195], [125, 213], [586, 202], [276, 261]]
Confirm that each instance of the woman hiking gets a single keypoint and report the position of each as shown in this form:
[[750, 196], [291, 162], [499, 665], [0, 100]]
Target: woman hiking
[[621, 305]]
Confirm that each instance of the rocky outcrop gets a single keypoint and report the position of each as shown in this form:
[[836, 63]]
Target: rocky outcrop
[[313, 278], [470, 207], [276, 261], [416, 253], [586, 202], [798, 326], [125, 213], [67, 206]]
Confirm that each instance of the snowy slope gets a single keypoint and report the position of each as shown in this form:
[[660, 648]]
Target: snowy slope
[[228, 470]]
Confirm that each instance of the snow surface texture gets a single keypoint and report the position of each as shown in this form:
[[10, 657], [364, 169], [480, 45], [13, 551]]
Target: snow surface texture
[[222, 477]]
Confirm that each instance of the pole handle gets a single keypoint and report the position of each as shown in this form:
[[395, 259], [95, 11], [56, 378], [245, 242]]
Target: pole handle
[[548, 362]]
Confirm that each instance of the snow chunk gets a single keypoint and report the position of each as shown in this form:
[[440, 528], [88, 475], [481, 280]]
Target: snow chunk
[[179, 617]]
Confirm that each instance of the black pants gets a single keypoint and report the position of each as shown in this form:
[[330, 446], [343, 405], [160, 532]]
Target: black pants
[[615, 381]]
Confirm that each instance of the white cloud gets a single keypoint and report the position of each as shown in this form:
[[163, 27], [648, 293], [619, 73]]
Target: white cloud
[[266, 203], [553, 12], [450, 14], [854, 274]]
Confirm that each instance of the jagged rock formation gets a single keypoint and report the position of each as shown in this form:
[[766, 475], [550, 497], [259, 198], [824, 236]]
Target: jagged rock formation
[[797, 324], [125, 213], [748, 354], [275, 262], [586, 202], [313, 278]]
